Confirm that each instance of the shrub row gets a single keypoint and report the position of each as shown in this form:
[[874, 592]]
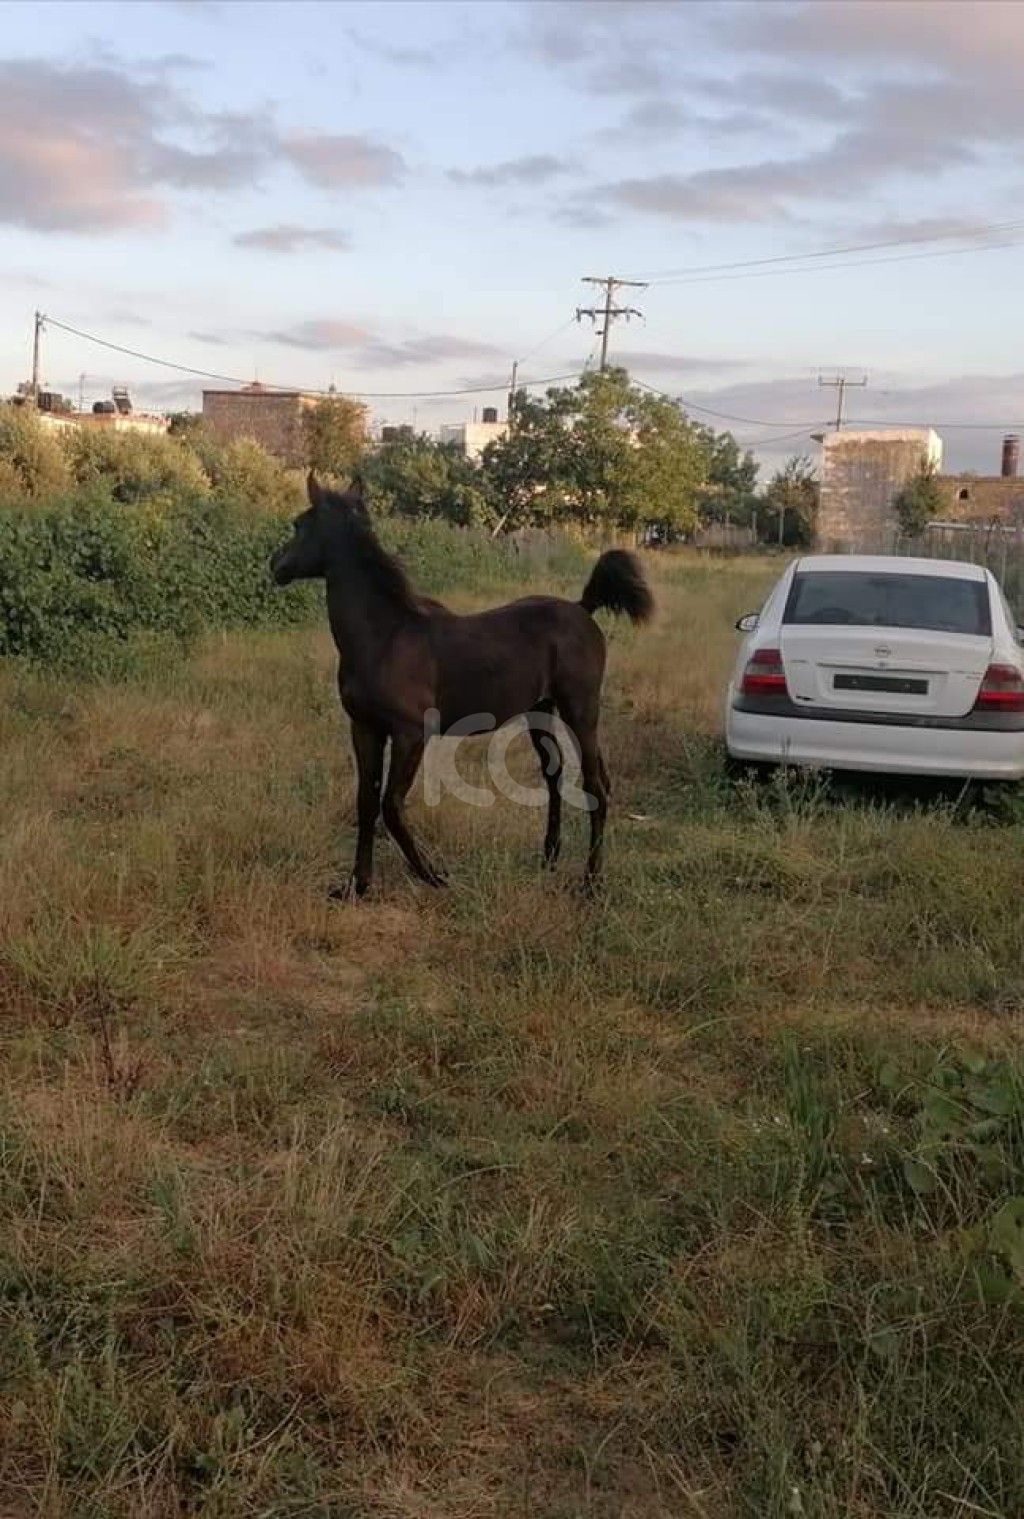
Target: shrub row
[[80, 580]]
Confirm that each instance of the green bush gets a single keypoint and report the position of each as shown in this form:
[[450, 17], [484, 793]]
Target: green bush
[[440, 558], [134, 466], [243, 473], [80, 579], [32, 464]]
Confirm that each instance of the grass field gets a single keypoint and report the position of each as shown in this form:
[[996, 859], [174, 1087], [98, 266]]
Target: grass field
[[696, 1200]]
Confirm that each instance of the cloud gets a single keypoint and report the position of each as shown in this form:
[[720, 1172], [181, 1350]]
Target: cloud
[[336, 161], [98, 147], [534, 169], [320, 336], [327, 335], [432, 349], [287, 237], [646, 363], [936, 33], [872, 95], [390, 52], [902, 131], [582, 215], [215, 339]]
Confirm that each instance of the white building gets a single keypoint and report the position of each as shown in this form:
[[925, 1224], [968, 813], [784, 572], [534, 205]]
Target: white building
[[473, 437]]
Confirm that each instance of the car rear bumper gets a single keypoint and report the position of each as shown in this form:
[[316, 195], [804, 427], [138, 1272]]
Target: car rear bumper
[[984, 754]]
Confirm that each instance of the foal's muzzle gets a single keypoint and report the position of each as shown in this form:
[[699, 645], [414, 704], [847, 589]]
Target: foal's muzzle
[[281, 568]]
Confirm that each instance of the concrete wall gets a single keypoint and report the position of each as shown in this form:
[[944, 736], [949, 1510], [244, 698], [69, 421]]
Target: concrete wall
[[272, 417], [860, 473], [109, 421], [982, 498]]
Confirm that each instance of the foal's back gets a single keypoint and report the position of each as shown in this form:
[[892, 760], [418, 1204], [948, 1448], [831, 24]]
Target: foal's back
[[513, 658]]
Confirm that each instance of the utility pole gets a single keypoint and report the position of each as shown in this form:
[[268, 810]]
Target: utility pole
[[512, 393], [37, 329], [840, 382], [609, 312]]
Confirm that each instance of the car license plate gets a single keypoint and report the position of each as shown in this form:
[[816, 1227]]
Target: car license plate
[[900, 684]]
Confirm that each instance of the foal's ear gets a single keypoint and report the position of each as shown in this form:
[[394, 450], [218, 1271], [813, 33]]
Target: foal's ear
[[313, 490]]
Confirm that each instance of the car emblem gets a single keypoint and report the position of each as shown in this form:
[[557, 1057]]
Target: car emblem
[[883, 651]]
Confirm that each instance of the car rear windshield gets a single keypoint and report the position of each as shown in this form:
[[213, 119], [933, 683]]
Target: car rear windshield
[[867, 599]]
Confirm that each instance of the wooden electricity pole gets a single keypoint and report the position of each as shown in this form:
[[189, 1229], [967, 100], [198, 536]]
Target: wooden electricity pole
[[609, 312], [840, 382], [36, 331]]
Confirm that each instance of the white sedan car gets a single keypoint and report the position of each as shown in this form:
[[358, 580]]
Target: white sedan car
[[858, 662]]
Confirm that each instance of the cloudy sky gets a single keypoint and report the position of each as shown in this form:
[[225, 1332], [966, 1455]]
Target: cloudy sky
[[404, 197]]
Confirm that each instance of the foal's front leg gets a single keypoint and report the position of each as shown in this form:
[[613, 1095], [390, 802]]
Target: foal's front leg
[[368, 744]]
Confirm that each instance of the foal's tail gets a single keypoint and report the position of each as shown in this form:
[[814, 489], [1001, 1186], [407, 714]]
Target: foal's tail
[[617, 582]]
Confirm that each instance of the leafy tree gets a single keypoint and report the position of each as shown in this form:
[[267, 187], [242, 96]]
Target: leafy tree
[[412, 476], [919, 502], [730, 490], [603, 453], [32, 464], [791, 500], [334, 435], [190, 426]]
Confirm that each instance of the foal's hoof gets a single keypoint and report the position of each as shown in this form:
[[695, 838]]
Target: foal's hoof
[[348, 891]]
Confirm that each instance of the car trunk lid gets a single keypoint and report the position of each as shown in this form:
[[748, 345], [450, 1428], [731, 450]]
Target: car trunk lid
[[887, 640], [885, 669]]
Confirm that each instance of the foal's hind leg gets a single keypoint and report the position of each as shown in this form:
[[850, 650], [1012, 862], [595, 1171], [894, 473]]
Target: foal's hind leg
[[406, 753], [580, 717], [549, 752], [606, 780]]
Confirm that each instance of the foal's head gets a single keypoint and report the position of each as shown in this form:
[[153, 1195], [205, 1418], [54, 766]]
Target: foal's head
[[307, 553]]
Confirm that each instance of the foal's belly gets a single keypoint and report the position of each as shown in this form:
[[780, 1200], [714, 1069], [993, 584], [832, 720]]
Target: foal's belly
[[486, 713]]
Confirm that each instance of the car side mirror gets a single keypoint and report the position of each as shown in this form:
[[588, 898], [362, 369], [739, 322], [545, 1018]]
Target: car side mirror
[[747, 623]]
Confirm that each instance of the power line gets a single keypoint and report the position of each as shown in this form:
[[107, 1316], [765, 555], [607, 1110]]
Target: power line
[[548, 380], [608, 313], [861, 263], [545, 341], [207, 374], [726, 416], [991, 229]]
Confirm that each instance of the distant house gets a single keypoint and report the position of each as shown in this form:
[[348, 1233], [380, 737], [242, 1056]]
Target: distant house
[[272, 417], [116, 415], [987, 498], [471, 438]]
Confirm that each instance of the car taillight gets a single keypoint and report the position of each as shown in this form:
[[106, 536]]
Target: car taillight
[[764, 675], [1002, 690]]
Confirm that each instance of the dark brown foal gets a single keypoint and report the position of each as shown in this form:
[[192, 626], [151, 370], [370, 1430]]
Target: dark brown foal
[[411, 667]]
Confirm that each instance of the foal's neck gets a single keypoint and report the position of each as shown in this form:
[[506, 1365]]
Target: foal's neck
[[363, 613]]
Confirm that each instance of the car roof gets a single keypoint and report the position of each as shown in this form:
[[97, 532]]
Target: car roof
[[892, 564]]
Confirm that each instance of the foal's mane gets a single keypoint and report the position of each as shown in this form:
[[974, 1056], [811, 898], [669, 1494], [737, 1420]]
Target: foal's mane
[[378, 570]]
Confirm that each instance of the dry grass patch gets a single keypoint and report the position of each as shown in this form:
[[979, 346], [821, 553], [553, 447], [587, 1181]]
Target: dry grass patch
[[497, 1202]]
